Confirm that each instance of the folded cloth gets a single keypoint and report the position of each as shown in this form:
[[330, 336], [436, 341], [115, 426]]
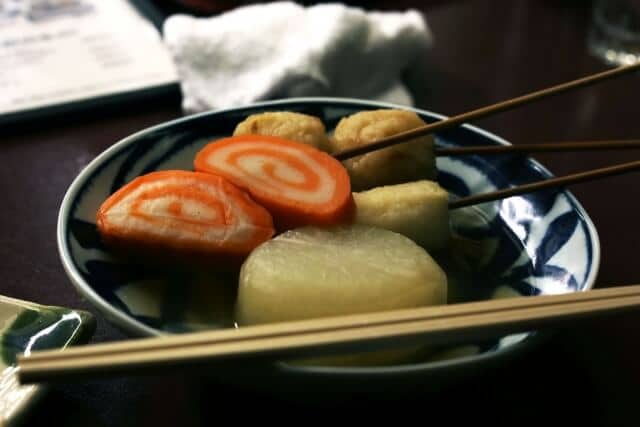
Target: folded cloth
[[282, 50]]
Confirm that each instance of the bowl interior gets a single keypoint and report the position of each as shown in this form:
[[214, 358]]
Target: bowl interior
[[539, 243]]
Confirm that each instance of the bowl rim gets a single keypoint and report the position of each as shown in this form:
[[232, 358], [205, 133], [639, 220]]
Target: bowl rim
[[137, 328]]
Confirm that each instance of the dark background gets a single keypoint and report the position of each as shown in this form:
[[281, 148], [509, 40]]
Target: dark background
[[485, 51]]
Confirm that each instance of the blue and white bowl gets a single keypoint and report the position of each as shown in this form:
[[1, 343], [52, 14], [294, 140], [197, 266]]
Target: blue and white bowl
[[539, 243]]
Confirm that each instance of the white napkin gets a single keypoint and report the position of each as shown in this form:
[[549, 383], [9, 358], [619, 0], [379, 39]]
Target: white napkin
[[282, 50]]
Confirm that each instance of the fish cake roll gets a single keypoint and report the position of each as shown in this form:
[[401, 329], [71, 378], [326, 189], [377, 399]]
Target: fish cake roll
[[183, 216]]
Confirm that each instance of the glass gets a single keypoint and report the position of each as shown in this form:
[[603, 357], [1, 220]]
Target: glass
[[615, 31]]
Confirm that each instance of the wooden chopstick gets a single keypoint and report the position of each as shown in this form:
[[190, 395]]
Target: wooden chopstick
[[541, 147], [548, 183], [361, 332], [484, 111]]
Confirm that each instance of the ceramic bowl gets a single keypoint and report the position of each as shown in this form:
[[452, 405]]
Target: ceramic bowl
[[538, 243]]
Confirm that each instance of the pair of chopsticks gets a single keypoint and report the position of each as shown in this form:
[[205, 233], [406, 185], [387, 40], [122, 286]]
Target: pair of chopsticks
[[353, 333], [521, 148]]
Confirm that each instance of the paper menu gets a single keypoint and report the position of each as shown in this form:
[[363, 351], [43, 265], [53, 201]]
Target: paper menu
[[54, 52]]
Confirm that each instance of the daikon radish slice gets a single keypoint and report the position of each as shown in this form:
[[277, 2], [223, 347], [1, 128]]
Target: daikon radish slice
[[314, 272]]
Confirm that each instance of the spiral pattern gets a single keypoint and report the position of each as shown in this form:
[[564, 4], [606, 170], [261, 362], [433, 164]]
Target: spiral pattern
[[282, 171], [185, 208], [297, 183]]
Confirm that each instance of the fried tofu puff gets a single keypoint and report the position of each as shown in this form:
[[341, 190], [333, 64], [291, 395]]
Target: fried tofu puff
[[294, 126], [418, 210], [410, 161]]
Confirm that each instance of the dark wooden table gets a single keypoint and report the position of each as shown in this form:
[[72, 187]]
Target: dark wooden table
[[484, 51]]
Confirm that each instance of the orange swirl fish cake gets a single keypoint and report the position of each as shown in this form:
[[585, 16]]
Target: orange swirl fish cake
[[181, 213], [297, 183]]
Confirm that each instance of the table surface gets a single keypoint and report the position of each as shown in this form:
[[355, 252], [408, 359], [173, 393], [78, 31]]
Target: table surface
[[484, 51]]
